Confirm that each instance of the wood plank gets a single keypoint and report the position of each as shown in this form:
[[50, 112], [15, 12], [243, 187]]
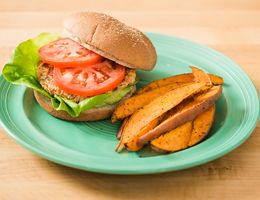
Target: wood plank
[[30, 176], [231, 27], [136, 5], [139, 18]]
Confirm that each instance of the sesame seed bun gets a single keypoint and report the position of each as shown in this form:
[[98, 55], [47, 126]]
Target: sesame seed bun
[[112, 39]]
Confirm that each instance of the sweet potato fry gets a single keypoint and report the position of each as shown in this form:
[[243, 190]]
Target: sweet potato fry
[[186, 113], [134, 103], [155, 109], [187, 134], [181, 78], [132, 145], [216, 80], [129, 106], [120, 130], [201, 76], [201, 125], [174, 140]]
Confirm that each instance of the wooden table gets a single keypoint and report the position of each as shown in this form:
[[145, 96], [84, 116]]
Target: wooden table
[[230, 26]]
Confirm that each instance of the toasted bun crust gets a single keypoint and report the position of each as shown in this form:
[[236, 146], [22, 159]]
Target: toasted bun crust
[[112, 39], [93, 114]]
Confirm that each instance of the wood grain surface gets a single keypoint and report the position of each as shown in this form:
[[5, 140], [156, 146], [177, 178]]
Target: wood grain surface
[[229, 26]]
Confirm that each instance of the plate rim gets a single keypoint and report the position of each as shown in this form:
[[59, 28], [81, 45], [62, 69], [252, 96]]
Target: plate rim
[[152, 171]]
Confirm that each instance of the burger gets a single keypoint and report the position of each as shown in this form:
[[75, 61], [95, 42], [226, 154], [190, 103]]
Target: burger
[[85, 73]]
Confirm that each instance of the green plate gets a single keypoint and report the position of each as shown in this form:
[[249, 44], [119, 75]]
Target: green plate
[[90, 146]]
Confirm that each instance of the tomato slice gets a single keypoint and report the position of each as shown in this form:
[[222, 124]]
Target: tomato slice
[[90, 80], [68, 53]]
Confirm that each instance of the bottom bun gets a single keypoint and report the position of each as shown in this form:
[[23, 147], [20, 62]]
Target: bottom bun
[[92, 114]]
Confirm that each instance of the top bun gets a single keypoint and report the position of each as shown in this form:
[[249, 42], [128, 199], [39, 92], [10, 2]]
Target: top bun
[[112, 39]]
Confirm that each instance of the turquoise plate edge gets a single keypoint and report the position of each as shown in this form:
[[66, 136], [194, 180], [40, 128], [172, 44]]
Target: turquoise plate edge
[[169, 168]]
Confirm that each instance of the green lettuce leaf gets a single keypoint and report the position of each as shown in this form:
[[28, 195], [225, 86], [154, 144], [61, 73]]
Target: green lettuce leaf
[[108, 98], [74, 109], [22, 70]]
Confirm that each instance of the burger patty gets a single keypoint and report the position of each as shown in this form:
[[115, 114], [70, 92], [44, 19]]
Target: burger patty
[[45, 77]]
